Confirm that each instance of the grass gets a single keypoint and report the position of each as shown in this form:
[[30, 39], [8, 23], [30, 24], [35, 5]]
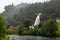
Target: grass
[[58, 32], [58, 24], [12, 32], [5, 38]]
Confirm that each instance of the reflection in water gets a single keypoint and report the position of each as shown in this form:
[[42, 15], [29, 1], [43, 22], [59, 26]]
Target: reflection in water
[[41, 39], [16, 37]]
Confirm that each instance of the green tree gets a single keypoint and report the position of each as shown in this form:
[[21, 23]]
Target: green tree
[[50, 28], [25, 25], [2, 27], [27, 22]]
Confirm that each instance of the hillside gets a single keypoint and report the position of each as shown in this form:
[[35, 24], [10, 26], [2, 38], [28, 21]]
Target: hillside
[[15, 14]]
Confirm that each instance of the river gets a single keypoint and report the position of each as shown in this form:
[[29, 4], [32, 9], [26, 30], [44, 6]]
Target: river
[[17, 37]]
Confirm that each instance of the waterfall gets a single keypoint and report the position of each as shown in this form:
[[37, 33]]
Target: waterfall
[[37, 21]]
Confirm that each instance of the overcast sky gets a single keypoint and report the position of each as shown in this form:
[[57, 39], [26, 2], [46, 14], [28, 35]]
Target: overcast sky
[[3, 3]]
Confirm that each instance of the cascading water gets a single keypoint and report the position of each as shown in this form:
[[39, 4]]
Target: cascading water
[[37, 21]]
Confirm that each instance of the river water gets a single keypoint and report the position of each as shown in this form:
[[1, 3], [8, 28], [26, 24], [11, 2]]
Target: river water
[[17, 37]]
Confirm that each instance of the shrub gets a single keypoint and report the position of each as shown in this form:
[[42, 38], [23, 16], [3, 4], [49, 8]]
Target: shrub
[[12, 31], [49, 28], [39, 32], [40, 25], [25, 25], [2, 27], [29, 32]]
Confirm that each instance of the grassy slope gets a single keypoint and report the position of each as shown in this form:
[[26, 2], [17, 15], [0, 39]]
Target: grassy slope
[[6, 37], [58, 24], [58, 32]]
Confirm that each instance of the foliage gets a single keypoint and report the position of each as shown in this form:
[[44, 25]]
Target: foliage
[[25, 25], [50, 28], [58, 24], [40, 25], [58, 31], [30, 32], [21, 28], [2, 27], [27, 22], [39, 32], [27, 32], [12, 31], [6, 37]]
